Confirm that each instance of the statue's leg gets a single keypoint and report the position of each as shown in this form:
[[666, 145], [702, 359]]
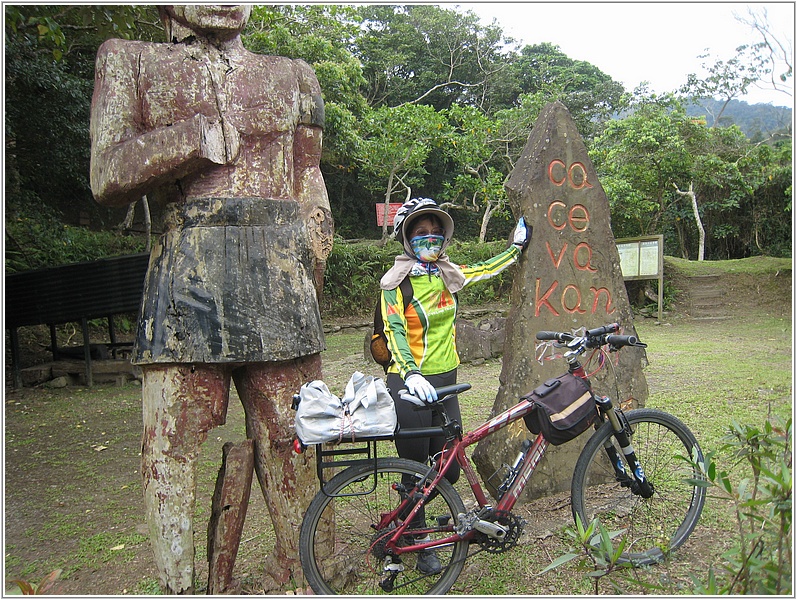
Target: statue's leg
[[181, 404], [287, 479]]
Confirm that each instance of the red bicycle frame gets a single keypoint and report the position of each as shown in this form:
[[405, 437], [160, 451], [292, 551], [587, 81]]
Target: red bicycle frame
[[454, 451]]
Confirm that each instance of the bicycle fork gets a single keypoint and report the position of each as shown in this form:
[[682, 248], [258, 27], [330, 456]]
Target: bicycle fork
[[637, 481]]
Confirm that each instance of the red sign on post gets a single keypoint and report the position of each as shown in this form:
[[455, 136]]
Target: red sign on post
[[391, 213]]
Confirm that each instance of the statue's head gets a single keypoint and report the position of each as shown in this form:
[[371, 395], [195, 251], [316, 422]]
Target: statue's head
[[210, 20]]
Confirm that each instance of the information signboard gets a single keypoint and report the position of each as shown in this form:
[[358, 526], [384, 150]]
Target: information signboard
[[643, 258]]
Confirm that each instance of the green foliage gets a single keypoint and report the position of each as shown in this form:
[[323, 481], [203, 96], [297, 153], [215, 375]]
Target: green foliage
[[427, 100], [595, 550], [351, 280], [760, 560], [479, 165], [35, 238], [591, 96], [425, 53], [321, 35], [59, 30], [149, 586], [646, 157], [394, 146], [49, 69], [494, 289], [759, 122], [726, 79]]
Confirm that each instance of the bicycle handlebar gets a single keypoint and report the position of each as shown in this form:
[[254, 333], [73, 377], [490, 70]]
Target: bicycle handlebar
[[442, 393], [554, 335], [618, 341], [456, 388], [610, 328], [594, 338]]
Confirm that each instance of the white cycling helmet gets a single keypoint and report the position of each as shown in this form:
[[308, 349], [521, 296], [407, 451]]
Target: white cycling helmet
[[412, 209]]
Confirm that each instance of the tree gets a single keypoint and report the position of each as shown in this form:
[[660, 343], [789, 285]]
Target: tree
[[49, 76], [322, 36], [774, 55], [426, 54], [768, 213], [690, 193], [637, 159], [648, 160], [726, 80], [483, 152], [769, 61], [591, 96], [475, 151], [394, 147]]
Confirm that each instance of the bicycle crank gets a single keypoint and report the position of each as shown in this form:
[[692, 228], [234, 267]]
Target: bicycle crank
[[511, 528]]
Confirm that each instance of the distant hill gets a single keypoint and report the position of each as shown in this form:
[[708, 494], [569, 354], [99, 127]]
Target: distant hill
[[757, 121]]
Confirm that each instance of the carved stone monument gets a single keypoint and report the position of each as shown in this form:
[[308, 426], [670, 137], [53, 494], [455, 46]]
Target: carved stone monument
[[569, 277]]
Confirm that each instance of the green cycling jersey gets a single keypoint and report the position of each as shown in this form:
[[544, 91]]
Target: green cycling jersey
[[423, 338]]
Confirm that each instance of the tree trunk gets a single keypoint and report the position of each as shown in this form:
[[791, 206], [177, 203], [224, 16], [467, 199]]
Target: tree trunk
[[701, 252], [388, 192], [488, 213], [127, 223], [128, 220]]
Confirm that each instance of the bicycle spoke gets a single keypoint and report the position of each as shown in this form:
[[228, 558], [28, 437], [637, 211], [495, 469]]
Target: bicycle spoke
[[654, 526], [346, 554]]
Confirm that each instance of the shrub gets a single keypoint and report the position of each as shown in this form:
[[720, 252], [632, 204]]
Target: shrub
[[36, 238], [760, 560]]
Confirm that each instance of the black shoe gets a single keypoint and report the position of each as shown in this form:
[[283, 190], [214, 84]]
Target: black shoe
[[428, 563]]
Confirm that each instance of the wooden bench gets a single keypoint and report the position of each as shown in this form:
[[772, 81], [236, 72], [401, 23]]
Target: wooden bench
[[77, 292]]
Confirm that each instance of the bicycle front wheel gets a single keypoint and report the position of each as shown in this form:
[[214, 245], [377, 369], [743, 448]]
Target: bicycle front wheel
[[655, 526], [341, 546]]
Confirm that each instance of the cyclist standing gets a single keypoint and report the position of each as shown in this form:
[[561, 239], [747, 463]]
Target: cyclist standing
[[422, 338]]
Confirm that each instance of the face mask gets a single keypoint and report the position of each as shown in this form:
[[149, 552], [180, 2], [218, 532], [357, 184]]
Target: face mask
[[427, 247]]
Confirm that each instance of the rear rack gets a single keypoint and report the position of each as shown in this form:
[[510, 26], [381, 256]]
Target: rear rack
[[339, 456], [345, 453]]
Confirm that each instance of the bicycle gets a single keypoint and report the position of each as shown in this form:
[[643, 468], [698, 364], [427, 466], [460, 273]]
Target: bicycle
[[365, 529]]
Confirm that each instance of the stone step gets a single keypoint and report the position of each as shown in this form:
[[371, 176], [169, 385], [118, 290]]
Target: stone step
[[724, 318], [706, 293], [706, 298]]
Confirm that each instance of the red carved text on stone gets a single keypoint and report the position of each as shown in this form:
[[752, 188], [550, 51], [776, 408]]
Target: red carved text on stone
[[576, 218]]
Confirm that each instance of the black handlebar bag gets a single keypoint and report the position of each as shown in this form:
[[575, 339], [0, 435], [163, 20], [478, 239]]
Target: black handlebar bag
[[564, 408]]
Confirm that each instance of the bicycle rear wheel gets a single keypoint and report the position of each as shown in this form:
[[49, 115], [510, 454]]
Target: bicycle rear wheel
[[654, 526], [342, 551]]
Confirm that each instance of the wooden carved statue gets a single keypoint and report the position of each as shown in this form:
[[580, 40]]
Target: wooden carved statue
[[229, 143]]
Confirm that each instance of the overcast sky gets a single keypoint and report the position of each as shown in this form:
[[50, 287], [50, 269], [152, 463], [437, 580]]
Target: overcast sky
[[658, 42]]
